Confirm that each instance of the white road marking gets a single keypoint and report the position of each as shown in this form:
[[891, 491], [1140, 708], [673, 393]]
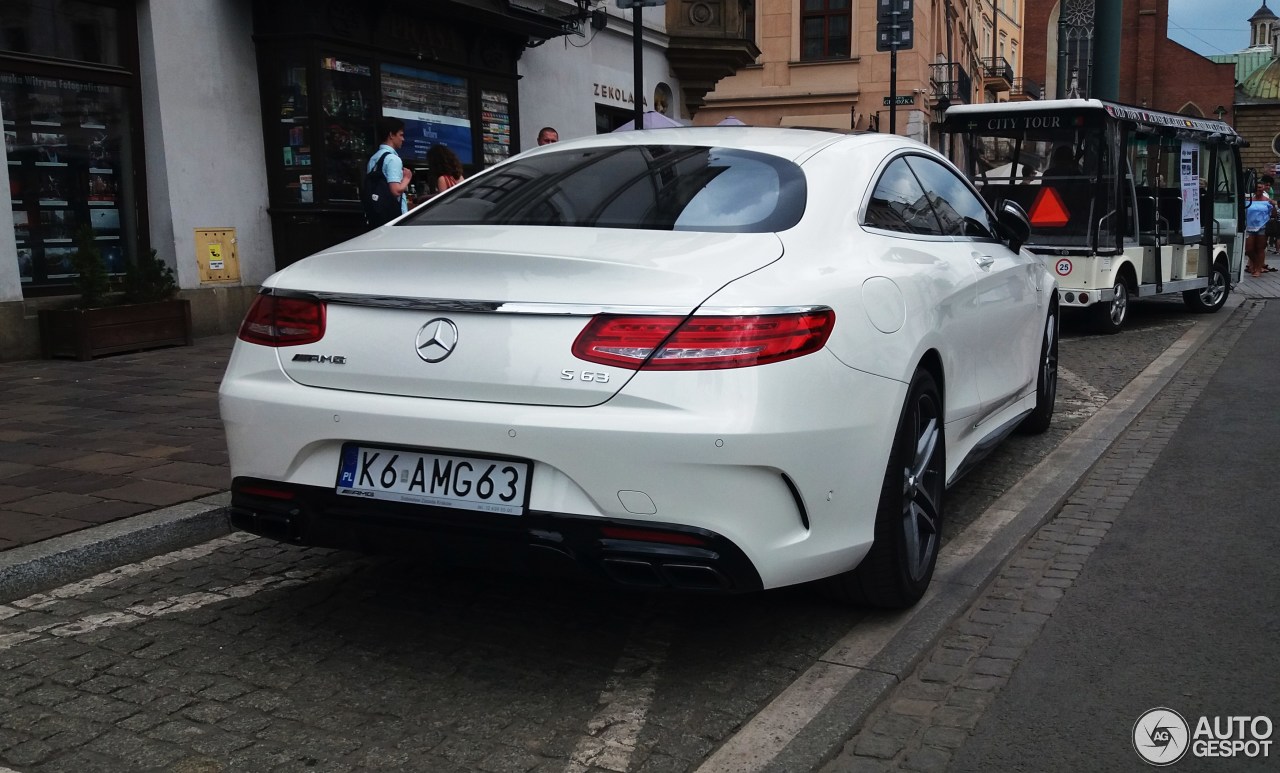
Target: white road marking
[[1082, 399], [612, 733], [168, 606], [81, 587]]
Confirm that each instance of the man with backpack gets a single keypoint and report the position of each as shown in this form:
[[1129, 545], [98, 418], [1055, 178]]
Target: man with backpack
[[386, 177]]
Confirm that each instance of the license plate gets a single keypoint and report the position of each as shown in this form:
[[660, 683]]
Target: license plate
[[488, 485]]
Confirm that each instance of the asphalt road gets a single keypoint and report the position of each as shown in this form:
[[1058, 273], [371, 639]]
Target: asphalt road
[[243, 654]]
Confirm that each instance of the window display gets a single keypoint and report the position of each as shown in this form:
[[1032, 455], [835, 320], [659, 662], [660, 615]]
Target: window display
[[295, 140], [63, 143], [347, 98], [321, 117], [496, 115]]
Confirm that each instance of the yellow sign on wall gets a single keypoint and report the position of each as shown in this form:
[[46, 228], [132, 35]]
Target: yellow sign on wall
[[217, 255]]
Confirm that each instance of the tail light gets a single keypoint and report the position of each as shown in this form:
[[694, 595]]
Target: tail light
[[283, 321], [702, 342]]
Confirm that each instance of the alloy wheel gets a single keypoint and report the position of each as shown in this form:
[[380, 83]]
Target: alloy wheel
[[922, 488], [1119, 304], [1049, 365], [1212, 295]]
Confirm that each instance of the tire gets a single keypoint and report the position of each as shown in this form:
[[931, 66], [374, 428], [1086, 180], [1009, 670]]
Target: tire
[[1213, 297], [1041, 417], [1108, 318], [896, 571]]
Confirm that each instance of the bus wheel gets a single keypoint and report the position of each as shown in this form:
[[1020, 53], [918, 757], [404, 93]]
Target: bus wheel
[[1209, 299], [1109, 317]]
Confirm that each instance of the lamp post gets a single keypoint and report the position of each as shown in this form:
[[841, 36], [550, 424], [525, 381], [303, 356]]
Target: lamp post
[[637, 53], [1220, 111]]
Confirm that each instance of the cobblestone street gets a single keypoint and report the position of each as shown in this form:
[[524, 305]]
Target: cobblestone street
[[244, 654]]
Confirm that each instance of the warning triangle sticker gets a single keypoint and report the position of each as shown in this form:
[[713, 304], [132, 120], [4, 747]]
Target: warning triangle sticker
[[1048, 209]]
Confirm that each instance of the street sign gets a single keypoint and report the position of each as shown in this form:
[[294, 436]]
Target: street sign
[[886, 8], [885, 36], [625, 4], [901, 99]]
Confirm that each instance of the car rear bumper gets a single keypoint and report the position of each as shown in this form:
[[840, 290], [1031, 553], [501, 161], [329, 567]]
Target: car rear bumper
[[785, 461], [652, 555]]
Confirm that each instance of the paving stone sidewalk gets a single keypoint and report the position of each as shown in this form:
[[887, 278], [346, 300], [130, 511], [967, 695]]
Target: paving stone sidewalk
[[86, 443], [926, 720]]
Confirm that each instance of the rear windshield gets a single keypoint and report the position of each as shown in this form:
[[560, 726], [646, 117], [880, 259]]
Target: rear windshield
[[656, 187]]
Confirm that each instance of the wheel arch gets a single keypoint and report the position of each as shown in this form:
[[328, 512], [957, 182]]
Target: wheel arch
[[1126, 273], [931, 361]]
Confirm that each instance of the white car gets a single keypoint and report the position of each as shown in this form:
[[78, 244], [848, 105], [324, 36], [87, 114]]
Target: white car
[[709, 359]]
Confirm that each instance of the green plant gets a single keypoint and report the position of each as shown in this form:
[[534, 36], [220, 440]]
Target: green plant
[[149, 279], [91, 281]]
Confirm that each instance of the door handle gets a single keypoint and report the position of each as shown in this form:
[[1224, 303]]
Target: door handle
[[983, 261]]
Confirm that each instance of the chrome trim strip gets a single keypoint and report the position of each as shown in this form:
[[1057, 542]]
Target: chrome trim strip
[[531, 308]]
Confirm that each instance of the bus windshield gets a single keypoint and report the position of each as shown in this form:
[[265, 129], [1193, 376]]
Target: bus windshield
[[1063, 177]]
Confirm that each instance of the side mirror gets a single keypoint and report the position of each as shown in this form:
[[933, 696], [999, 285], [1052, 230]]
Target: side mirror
[[1014, 224]]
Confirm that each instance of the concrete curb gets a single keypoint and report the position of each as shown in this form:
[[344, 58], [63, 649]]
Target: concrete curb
[[33, 568], [1029, 504]]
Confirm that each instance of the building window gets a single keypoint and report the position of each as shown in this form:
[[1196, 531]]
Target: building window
[[71, 137], [825, 29], [749, 22], [73, 30]]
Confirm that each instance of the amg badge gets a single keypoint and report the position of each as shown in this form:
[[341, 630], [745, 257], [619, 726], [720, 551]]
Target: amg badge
[[335, 359]]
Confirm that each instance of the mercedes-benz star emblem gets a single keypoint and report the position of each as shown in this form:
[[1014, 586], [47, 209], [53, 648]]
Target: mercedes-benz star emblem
[[437, 339]]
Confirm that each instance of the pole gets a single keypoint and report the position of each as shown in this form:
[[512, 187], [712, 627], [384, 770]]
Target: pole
[[637, 48], [1108, 20], [893, 85], [893, 74]]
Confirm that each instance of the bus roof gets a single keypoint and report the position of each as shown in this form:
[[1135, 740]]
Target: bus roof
[[1141, 116]]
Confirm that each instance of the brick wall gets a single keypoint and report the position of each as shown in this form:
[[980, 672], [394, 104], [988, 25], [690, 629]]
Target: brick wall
[[1259, 125]]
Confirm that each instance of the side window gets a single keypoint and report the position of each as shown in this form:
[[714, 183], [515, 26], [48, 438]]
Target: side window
[[898, 203], [960, 211]]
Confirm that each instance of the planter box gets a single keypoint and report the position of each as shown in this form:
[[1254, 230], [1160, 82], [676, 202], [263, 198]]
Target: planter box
[[88, 333]]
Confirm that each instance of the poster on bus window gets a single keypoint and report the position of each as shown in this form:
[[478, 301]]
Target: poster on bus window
[[1190, 189], [433, 107]]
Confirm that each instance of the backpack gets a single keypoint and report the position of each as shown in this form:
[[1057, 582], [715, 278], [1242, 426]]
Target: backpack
[[381, 206]]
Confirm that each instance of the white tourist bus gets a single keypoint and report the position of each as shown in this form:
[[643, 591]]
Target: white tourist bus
[[1124, 202]]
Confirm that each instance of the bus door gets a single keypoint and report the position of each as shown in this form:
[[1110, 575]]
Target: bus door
[[1225, 203]]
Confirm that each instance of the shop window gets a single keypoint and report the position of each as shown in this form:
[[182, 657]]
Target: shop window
[[75, 30], [347, 99], [68, 151], [495, 114], [609, 118], [825, 29]]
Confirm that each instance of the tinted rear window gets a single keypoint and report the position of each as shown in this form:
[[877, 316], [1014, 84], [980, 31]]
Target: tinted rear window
[[654, 187]]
